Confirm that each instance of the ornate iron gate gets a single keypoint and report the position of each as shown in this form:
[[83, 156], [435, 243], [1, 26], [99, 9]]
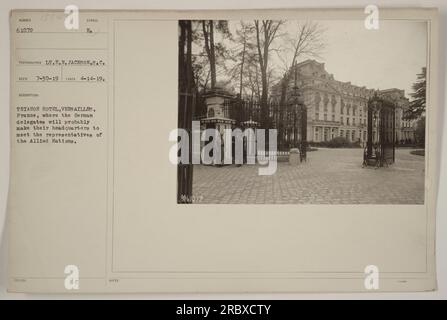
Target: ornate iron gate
[[380, 148], [290, 119], [299, 124]]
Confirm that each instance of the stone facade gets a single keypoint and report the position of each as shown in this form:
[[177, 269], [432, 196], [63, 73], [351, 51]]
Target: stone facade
[[338, 108]]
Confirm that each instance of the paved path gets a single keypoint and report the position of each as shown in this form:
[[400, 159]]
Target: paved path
[[330, 176]]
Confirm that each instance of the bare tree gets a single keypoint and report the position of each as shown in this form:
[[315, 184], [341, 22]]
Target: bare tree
[[266, 33], [252, 76], [244, 37], [212, 49], [306, 42], [208, 33], [243, 58], [309, 42]]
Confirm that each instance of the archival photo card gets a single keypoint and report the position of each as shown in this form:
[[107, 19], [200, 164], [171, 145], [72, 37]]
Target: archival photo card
[[223, 151]]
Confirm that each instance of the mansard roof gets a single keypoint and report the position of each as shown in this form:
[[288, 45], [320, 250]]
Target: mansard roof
[[316, 70], [315, 76], [312, 75]]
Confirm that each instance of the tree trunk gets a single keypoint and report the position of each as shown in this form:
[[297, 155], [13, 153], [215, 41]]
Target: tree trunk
[[213, 56], [263, 67], [186, 88], [242, 67], [209, 48]]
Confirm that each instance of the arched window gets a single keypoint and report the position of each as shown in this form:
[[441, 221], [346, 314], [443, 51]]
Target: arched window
[[326, 101], [210, 113], [334, 103], [317, 100]]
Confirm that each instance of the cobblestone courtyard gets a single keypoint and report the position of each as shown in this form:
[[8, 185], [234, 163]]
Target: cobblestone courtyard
[[330, 176]]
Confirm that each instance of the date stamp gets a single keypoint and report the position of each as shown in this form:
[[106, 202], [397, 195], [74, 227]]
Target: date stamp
[[191, 199]]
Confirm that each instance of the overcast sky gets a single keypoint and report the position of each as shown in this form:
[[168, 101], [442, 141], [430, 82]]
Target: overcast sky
[[386, 58], [390, 57]]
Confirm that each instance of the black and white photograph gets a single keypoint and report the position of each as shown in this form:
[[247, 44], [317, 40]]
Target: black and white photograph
[[335, 109]]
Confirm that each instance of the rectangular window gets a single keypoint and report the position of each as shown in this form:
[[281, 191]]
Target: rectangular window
[[341, 120], [333, 117], [353, 121], [317, 116], [347, 121], [325, 117]]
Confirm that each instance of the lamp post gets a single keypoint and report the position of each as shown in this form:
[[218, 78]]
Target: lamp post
[[299, 108], [375, 126]]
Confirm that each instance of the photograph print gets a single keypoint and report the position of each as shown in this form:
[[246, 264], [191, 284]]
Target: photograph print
[[301, 112]]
